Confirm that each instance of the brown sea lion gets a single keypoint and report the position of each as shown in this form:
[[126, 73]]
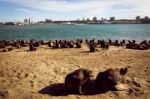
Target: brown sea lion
[[31, 47], [75, 80], [109, 78]]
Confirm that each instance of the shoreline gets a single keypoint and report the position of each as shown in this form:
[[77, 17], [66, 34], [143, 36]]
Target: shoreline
[[74, 39]]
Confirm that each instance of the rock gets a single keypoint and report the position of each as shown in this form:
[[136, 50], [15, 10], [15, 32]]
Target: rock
[[121, 87]]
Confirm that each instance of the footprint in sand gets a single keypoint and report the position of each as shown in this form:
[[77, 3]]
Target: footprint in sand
[[32, 83], [22, 75], [26, 75]]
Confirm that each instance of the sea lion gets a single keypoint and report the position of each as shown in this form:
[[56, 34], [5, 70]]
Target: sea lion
[[31, 47], [92, 47], [109, 78], [77, 79]]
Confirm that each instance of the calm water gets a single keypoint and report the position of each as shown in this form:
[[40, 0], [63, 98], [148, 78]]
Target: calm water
[[51, 32]]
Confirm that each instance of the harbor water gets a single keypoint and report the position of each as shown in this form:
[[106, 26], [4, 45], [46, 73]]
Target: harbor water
[[99, 31]]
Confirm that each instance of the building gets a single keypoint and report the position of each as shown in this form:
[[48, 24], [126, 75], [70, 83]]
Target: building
[[27, 21], [145, 20], [138, 19], [112, 19], [1, 23], [104, 21], [48, 21], [88, 19], [124, 21], [94, 19], [83, 19], [9, 23]]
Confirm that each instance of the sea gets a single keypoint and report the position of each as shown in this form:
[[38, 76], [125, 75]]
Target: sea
[[47, 32]]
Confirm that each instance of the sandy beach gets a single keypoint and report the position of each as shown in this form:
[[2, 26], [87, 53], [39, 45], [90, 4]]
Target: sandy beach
[[24, 74]]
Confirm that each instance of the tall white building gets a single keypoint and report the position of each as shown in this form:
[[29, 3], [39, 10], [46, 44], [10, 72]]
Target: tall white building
[[27, 21]]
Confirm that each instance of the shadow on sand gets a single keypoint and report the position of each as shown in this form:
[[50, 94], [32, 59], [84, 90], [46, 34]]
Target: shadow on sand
[[59, 89], [85, 52]]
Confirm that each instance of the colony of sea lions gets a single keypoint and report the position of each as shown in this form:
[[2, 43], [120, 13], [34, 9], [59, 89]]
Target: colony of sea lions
[[144, 45], [93, 44], [34, 44], [105, 81], [76, 80]]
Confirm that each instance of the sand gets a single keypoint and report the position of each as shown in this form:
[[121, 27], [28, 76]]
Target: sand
[[40, 74]]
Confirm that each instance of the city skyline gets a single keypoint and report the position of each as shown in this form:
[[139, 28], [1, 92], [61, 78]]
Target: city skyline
[[17, 10]]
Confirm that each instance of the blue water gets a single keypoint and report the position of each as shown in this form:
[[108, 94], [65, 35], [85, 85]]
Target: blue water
[[51, 32]]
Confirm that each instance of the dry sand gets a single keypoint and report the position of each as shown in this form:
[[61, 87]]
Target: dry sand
[[23, 73]]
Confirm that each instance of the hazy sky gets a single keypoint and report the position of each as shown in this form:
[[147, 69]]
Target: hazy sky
[[12, 10]]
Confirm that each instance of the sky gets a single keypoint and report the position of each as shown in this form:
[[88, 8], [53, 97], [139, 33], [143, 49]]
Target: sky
[[17, 10]]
